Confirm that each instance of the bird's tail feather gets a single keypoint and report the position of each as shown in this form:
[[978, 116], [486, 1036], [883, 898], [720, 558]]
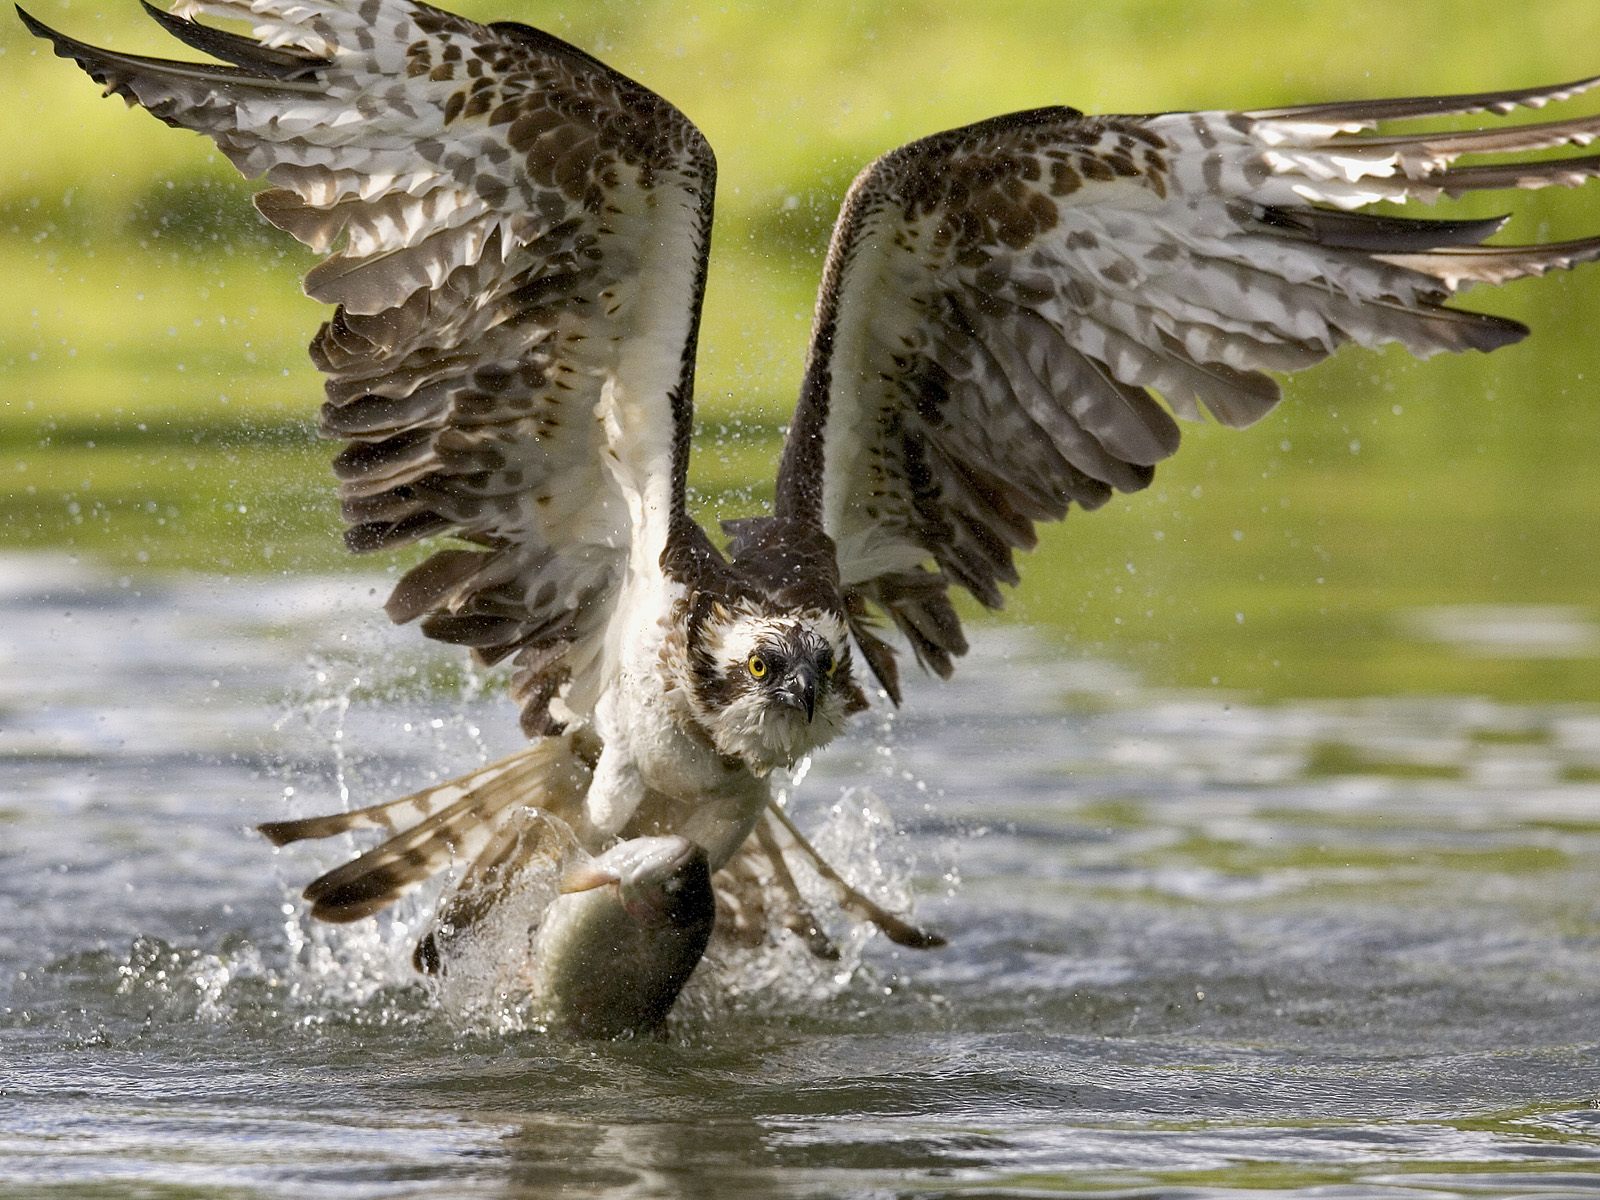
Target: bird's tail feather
[[473, 819]]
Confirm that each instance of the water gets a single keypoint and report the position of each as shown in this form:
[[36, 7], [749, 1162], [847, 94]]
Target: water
[[1198, 947]]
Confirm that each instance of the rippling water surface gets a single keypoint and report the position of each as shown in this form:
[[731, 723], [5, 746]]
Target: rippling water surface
[[1197, 947]]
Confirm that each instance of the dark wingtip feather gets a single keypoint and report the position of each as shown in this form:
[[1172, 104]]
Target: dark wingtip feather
[[122, 74], [1401, 107], [33, 25], [903, 933], [1554, 172], [342, 896], [387, 535], [1494, 333], [1377, 233], [424, 588], [281, 833], [346, 911], [64, 46], [230, 47], [879, 657]]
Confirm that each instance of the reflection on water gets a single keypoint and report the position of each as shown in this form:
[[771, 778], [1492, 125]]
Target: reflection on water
[[1199, 946]]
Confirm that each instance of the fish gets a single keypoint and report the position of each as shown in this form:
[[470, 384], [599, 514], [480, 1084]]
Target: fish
[[616, 947]]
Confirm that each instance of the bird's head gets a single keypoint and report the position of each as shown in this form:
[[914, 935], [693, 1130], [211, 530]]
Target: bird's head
[[771, 687]]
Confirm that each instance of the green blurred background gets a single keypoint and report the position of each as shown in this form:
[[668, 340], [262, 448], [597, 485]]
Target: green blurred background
[[157, 399]]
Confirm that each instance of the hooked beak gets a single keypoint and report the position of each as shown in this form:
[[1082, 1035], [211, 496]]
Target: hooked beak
[[799, 690]]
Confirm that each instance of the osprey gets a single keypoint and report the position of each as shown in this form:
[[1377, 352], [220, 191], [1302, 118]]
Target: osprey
[[516, 241]]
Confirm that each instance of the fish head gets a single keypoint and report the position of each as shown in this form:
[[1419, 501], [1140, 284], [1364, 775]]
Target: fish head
[[661, 881]]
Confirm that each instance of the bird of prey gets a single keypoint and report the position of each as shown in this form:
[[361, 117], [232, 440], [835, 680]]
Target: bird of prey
[[1011, 315]]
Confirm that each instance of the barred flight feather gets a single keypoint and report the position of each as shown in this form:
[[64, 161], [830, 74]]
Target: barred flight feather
[[1001, 304], [486, 296]]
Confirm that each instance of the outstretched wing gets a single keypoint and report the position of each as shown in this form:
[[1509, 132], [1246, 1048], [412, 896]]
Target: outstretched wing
[[516, 240], [1001, 301]]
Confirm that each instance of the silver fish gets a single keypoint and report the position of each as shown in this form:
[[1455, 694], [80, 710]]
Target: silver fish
[[617, 946]]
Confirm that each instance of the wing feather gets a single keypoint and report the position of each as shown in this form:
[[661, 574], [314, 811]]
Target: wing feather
[[1003, 303], [515, 237]]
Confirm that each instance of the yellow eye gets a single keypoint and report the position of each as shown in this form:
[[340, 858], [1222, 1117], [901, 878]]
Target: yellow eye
[[757, 666]]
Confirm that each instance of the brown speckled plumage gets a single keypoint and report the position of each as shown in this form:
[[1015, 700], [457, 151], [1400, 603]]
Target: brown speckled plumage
[[515, 239]]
